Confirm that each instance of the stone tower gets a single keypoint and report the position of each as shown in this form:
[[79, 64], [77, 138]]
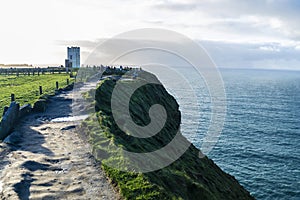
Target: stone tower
[[73, 57]]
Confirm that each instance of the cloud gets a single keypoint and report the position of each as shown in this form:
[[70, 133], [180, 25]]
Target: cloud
[[276, 19], [269, 48], [245, 55]]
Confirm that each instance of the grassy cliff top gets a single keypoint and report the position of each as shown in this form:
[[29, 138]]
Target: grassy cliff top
[[189, 177]]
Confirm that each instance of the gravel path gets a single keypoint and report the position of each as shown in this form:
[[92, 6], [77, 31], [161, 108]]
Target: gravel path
[[48, 160]]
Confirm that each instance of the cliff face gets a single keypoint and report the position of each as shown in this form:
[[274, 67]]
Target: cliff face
[[189, 177]]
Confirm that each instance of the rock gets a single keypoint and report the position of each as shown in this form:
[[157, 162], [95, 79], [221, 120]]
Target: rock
[[4, 110], [13, 139], [57, 92], [25, 110], [68, 128], [9, 120], [40, 106], [69, 87]]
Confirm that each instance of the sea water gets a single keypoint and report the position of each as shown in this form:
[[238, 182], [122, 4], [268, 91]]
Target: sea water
[[260, 141]]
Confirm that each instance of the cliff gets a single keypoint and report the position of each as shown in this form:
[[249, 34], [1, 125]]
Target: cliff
[[189, 177]]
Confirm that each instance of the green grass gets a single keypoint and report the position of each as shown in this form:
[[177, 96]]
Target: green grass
[[26, 88]]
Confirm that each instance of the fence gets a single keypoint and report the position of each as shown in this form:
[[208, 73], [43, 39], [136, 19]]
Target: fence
[[12, 96], [32, 71]]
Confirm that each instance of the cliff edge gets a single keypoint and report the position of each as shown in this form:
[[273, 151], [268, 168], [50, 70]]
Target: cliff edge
[[189, 177]]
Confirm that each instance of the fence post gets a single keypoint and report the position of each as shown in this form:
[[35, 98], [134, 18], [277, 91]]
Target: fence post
[[68, 81], [12, 97], [56, 85], [41, 90]]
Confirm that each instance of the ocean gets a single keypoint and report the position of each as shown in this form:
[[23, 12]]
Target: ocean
[[260, 141]]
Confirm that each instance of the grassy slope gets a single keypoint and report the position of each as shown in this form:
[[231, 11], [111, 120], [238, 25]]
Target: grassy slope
[[187, 178], [26, 88]]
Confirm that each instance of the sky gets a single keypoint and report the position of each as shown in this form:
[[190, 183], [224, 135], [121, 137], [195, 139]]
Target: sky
[[235, 33]]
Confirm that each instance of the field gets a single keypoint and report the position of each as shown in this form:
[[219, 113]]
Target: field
[[26, 88]]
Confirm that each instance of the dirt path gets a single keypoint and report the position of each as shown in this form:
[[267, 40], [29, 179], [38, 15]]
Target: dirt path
[[47, 160]]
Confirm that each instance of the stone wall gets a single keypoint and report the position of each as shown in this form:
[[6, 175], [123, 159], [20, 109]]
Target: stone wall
[[9, 120], [14, 112]]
